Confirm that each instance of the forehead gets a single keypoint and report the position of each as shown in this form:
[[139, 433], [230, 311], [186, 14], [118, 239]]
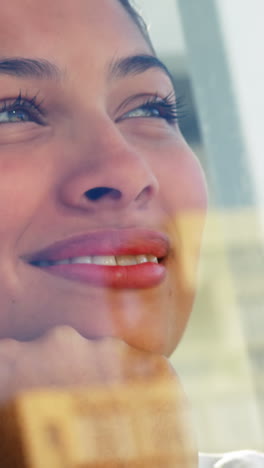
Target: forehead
[[67, 29]]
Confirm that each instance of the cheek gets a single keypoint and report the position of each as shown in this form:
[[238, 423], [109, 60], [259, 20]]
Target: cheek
[[19, 188], [185, 203], [184, 197], [23, 178], [182, 182]]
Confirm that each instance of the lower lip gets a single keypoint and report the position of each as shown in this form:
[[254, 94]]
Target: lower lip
[[144, 275]]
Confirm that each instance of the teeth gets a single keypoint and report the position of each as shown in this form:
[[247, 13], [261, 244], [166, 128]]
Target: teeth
[[152, 259], [63, 262], [106, 260], [79, 260], [124, 260], [142, 258]]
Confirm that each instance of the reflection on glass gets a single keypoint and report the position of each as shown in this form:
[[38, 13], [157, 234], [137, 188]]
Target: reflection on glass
[[221, 355], [103, 207]]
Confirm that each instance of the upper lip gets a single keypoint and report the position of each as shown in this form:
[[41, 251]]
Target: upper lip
[[107, 242]]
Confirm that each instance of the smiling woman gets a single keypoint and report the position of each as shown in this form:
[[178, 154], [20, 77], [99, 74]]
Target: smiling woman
[[101, 173], [103, 201]]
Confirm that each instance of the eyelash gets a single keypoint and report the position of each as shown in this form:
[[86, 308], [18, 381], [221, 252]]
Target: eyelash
[[23, 103], [168, 108]]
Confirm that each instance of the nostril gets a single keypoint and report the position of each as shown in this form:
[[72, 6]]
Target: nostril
[[100, 192]]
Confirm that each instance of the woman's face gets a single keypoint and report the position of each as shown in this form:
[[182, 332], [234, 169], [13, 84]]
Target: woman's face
[[92, 165]]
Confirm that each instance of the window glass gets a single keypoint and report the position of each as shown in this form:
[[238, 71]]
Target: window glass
[[221, 355], [131, 241]]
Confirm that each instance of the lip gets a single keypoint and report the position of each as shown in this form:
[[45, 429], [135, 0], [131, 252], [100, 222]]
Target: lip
[[108, 242]]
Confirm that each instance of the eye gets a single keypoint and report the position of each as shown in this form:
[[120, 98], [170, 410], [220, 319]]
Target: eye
[[16, 115], [167, 108], [143, 111], [21, 110]]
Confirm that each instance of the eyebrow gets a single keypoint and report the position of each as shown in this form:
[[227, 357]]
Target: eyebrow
[[29, 68], [136, 64], [40, 68]]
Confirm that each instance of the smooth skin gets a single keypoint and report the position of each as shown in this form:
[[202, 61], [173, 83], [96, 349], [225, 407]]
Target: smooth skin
[[94, 133]]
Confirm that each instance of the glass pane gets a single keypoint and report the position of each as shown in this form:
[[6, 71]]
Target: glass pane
[[127, 213], [220, 356]]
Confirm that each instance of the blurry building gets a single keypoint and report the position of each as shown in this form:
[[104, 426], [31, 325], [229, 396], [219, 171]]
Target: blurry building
[[221, 358]]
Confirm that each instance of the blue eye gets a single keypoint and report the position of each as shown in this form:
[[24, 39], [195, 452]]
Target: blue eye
[[16, 115], [21, 110], [143, 111], [167, 108]]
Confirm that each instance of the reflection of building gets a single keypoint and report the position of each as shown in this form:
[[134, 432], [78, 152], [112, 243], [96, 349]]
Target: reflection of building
[[221, 357], [113, 427]]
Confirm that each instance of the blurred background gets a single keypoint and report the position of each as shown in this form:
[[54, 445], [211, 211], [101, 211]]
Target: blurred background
[[213, 54]]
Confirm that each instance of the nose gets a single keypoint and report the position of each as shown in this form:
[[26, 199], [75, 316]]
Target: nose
[[109, 172]]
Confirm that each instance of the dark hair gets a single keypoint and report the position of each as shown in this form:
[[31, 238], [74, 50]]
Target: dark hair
[[138, 20]]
